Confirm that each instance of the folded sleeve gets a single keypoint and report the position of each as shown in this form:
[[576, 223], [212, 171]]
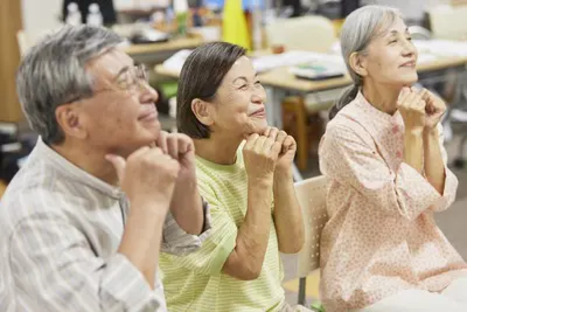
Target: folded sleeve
[[210, 258], [451, 182], [178, 242]]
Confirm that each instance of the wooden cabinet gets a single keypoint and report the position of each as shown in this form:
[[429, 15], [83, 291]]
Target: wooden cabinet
[[10, 23]]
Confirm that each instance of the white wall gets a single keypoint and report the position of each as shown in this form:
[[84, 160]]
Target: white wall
[[40, 15]]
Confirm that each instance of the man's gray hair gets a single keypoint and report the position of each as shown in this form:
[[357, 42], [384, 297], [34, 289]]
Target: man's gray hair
[[53, 73]]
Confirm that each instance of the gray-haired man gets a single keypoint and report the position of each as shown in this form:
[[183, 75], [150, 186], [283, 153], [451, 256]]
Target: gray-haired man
[[82, 223]]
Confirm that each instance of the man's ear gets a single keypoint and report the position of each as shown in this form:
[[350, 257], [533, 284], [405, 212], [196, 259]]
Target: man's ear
[[358, 63], [203, 111], [68, 117]]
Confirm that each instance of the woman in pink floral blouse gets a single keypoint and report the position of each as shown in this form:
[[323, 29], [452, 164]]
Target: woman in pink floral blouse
[[385, 162]]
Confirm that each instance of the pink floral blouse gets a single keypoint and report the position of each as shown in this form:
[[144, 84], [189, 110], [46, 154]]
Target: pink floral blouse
[[381, 237]]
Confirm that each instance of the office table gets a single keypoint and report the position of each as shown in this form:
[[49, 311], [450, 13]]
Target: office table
[[153, 53], [171, 45], [279, 82]]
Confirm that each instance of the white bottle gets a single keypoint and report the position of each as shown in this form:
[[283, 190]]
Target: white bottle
[[73, 16], [94, 18]]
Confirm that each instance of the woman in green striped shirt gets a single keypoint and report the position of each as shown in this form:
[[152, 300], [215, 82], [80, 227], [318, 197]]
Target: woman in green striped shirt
[[244, 173]]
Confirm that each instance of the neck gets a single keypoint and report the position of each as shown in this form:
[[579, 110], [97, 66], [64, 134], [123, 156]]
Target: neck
[[382, 97], [219, 149], [88, 159]]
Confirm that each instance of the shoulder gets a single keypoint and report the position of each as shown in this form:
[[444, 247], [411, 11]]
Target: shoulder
[[40, 189], [344, 129], [34, 203]]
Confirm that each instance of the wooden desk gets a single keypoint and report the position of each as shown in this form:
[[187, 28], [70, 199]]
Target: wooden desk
[[282, 78], [175, 74], [171, 45], [155, 53], [280, 81]]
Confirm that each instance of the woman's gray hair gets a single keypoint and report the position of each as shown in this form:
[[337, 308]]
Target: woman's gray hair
[[359, 29], [53, 73]]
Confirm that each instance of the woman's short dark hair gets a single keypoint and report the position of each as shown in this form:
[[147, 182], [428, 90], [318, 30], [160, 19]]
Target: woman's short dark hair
[[200, 78]]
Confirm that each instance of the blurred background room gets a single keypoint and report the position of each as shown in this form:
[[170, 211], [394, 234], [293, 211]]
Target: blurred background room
[[294, 45]]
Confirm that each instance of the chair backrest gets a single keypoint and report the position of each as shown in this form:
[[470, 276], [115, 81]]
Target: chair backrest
[[306, 33], [449, 22], [311, 194]]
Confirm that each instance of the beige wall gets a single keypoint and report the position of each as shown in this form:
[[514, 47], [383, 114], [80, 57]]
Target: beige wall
[[34, 16], [10, 23]]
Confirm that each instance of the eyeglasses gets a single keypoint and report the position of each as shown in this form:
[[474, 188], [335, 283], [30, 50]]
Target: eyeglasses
[[129, 79]]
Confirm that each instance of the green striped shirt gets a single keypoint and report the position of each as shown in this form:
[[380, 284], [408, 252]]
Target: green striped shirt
[[196, 282]]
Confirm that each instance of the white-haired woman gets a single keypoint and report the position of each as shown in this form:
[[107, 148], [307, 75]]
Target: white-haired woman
[[383, 155]]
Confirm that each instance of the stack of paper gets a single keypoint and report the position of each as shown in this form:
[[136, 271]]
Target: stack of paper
[[176, 61], [441, 47], [267, 62], [318, 70], [292, 58]]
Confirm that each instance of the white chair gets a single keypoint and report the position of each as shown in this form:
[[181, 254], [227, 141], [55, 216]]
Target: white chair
[[311, 194], [448, 21], [306, 33]]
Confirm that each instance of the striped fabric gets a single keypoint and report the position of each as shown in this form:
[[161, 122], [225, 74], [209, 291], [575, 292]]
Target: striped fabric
[[196, 282], [59, 232]]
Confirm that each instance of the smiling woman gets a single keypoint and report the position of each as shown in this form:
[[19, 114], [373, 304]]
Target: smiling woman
[[200, 80], [381, 249], [223, 93], [249, 186]]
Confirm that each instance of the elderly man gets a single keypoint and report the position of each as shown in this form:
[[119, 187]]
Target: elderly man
[[82, 223]]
